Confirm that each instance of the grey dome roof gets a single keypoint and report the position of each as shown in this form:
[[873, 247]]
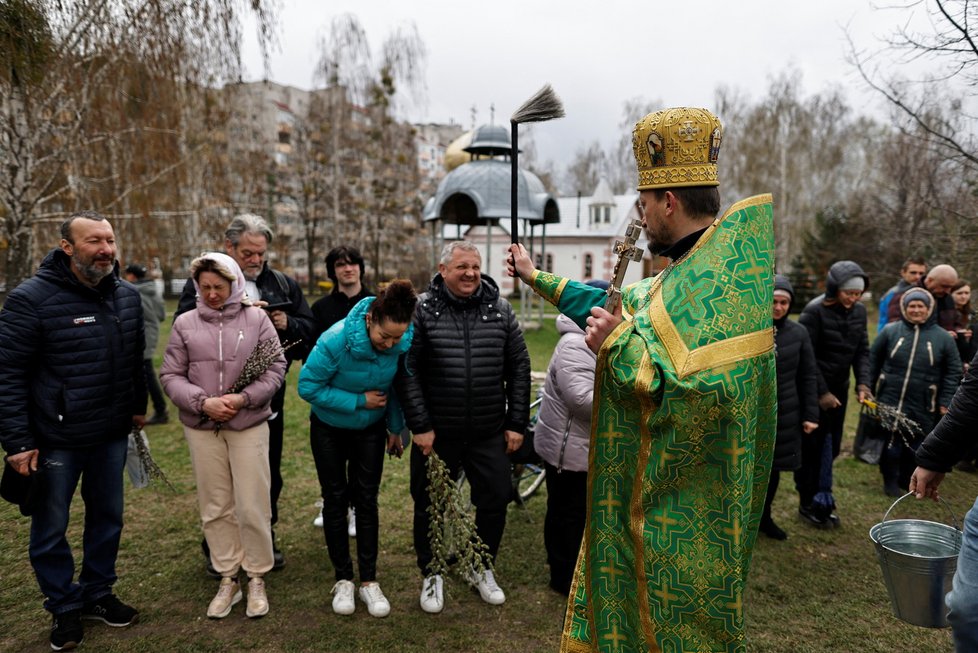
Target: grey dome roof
[[478, 193], [490, 139]]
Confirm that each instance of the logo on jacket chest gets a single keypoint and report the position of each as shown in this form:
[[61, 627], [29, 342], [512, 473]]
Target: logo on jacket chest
[[84, 319]]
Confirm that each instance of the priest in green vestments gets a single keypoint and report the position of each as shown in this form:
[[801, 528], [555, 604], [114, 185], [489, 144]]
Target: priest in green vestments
[[684, 408]]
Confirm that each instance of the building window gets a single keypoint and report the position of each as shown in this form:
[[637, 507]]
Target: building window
[[588, 267], [550, 263], [607, 214], [538, 261]]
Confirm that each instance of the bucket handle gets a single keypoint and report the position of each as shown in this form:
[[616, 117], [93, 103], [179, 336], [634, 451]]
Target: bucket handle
[[910, 494]]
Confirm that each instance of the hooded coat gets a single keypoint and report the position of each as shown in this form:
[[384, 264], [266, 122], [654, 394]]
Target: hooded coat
[[563, 427], [839, 334], [71, 360], [797, 385], [915, 367], [207, 352], [344, 365]]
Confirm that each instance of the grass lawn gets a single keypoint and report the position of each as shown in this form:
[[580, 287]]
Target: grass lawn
[[819, 591]]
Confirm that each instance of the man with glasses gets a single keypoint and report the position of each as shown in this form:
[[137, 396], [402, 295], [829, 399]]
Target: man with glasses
[[836, 323], [939, 282], [246, 240]]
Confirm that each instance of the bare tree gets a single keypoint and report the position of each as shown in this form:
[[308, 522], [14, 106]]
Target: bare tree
[[947, 40], [94, 96], [367, 157]]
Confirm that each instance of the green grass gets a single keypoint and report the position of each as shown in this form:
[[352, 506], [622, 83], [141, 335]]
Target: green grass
[[818, 591]]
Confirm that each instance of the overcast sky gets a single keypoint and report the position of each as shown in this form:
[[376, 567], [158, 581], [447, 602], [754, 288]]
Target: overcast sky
[[596, 54]]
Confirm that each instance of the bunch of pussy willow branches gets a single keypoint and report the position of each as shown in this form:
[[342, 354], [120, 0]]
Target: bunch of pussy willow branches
[[259, 360], [455, 544]]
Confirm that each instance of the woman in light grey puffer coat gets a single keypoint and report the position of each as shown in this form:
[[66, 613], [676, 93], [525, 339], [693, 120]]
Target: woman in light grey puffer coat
[[561, 438]]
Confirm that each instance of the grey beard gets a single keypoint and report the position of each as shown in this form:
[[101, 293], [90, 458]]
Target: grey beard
[[91, 272]]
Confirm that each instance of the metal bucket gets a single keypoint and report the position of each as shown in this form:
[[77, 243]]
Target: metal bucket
[[918, 559]]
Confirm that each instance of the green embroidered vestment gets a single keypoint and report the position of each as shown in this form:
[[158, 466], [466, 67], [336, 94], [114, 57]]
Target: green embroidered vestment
[[682, 434]]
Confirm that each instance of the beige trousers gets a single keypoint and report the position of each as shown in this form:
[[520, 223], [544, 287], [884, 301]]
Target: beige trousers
[[233, 480]]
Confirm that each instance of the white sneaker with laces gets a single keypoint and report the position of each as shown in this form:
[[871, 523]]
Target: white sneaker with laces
[[318, 521], [351, 522], [343, 602], [377, 603], [485, 582], [432, 594]]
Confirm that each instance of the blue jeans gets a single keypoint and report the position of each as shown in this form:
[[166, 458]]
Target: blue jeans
[[100, 470], [963, 597]]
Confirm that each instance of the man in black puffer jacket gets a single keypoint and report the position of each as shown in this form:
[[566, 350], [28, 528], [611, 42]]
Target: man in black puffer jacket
[[465, 391], [836, 322], [71, 389], [951, 440]]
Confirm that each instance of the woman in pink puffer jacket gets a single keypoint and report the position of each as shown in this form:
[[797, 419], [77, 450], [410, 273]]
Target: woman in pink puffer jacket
[[227, 432]]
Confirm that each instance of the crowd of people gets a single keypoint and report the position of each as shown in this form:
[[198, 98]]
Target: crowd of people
[[664, 426]]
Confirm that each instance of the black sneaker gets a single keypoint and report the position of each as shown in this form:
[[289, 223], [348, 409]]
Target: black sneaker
[[110, 610], [772, 530], [159, 418], [809, 515], [66, 630]]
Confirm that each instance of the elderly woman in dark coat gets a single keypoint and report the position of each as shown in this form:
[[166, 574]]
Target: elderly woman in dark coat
[[797, 396], [916, 369]]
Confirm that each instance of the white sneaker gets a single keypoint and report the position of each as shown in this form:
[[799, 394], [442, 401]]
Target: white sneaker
[[227, 595], [485, 582], [343, 602], [318, 521], [377, 603], [351, 522], [432, 595]]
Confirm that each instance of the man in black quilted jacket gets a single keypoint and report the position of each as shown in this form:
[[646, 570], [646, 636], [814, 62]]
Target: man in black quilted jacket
[[71, 389], [951, 440], [465, 391]]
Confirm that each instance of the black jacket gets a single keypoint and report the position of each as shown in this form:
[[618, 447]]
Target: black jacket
[[797, 391], [71, 360], [467, 373], [275, 288], [954, 436], [332, 308], [839, 336]]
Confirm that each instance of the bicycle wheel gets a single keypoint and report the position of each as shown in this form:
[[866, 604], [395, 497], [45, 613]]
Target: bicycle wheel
[[527, 479]]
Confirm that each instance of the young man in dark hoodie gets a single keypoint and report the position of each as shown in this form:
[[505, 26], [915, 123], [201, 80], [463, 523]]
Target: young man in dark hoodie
[[797, 396], [836, 323]]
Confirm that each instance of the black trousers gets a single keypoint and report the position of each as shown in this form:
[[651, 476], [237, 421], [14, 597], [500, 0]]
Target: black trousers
[[898, 462], [153, 386], [276, 433], [336, 451], [772, 489], [488, 471], [563, 527]]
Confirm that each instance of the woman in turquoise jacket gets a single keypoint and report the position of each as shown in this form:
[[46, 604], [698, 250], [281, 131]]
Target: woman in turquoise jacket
[[347, 380]]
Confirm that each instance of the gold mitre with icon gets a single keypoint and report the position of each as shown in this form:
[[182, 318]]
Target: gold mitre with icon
[[677, 147]]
